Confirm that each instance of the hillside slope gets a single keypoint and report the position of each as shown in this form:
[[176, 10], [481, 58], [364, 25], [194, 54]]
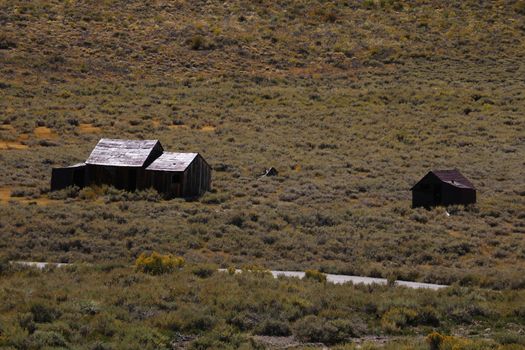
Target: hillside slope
[[352, 102]]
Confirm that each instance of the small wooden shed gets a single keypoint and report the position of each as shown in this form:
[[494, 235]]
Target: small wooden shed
[[179, 174], [443, 187]]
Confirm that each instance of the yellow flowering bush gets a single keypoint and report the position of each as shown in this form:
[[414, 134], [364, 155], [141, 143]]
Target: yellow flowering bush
[[157, 264]]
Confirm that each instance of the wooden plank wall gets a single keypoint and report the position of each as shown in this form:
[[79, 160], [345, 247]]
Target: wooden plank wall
[[195, 180], [124, 178]]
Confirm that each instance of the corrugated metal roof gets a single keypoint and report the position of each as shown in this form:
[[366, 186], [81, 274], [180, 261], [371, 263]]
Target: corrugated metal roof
[[114, 152], [171, 161], [453, 177]]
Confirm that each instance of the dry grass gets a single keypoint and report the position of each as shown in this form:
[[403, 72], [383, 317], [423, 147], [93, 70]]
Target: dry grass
[[352, 102]]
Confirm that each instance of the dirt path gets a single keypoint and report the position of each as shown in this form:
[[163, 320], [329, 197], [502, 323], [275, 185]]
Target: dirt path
[[342, 279], [335, 279], [5, 197]]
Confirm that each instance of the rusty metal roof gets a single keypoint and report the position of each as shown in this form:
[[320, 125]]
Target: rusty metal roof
[[171, 161], [128, 153], [453, 177]]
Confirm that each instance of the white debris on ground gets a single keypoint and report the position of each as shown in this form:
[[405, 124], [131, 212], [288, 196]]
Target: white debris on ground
[[38, 265]]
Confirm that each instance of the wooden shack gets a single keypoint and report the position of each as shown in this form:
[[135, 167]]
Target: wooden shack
[[135, 165], [443, 187], [179, 174]]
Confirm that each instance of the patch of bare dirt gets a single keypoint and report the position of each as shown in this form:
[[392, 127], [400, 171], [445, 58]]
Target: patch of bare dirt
[[43, 132], [208, 128], [155, 123], [5, 194], [11, 144], [87, 128], [5, 197], [8, 145]]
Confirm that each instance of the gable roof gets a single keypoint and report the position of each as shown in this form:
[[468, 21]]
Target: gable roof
[[452, 177], [171, 161], [128, 153]]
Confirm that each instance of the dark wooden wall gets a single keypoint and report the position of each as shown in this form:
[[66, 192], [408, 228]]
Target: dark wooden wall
[[65, 177], [454, 195], [432, 192], [123, 178], [162, 181], [197, 178]]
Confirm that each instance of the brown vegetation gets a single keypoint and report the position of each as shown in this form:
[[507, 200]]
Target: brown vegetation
[[351, 101]]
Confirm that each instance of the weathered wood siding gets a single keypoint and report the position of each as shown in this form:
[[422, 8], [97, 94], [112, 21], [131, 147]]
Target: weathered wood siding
[[65, 177], [453, 195], [194, 181], [162, 182], [430, 192], [123, 178], [197, 178]]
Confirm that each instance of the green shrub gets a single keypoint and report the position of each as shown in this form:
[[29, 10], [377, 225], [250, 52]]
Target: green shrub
[[510, 338], [103, 324], [244, 320], [519, 6], [427, 316], [27, 322], [315, 275], [143, 338], [89, 193], [200, 322], [224, 337], [6, 43], [5, 266], [44, 313], [273, 327], [98, 345], [320, 330], [255, 269], [157, 264], [68, 192], [197, 42], [204, 270], [396, 319], [42, 339], [391, 278], [369, 4]]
